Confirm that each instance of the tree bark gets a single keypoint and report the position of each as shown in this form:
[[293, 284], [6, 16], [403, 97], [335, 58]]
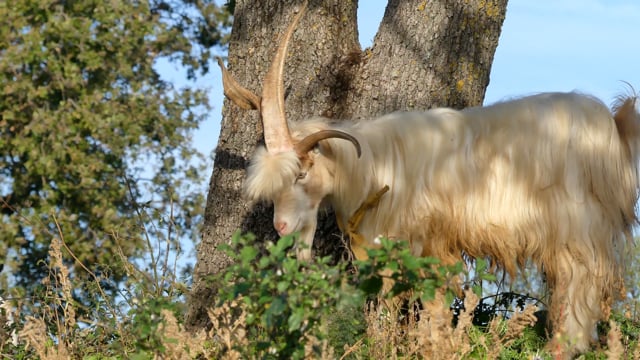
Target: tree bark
[[427, 53]]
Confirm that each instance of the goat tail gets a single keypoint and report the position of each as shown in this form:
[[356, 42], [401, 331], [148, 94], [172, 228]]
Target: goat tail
[[627, 118]]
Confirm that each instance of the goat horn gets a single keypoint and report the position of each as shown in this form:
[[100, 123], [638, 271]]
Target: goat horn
[[277, 137], [305, 145], [235, 92]]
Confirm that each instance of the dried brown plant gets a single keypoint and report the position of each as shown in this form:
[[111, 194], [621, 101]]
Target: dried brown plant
[[615, 349]]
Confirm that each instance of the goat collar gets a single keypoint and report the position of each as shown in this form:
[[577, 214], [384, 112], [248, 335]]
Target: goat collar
[[357, 243]]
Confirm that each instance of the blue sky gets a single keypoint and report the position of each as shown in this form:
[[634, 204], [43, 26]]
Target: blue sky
[[585, 45], [546, 45]]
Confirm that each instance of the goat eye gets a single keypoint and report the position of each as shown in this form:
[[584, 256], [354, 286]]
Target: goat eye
[[301, 175]]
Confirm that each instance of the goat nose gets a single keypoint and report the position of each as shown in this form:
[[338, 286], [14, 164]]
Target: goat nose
[[281, 227]]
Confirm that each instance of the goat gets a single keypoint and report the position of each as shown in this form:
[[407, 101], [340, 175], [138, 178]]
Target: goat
[[551, 177]]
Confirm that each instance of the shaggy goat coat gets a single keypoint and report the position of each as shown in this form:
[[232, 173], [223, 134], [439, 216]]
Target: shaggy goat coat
[[551, 177]]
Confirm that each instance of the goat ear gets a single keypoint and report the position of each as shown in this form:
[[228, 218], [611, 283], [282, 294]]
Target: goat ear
[[235, 92]]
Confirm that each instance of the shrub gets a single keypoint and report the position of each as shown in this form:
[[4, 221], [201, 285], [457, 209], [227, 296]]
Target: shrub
[[272, 306], [285, 301]]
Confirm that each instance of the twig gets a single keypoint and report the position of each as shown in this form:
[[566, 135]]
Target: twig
[[95, 278]]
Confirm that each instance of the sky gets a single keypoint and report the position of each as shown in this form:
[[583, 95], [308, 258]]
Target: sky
[[563, 45], [590, 46]]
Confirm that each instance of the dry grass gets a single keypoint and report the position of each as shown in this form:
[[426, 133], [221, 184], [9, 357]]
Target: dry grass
[[432, 336], [228, 330], [60, 311], [53, 332], [615, 349]]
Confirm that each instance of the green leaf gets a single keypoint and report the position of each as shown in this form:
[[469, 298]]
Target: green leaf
[[284, 243], [428, 294], [273, 312], [374, 253], [481, 265], [264, 262], [250, 319], [247, 254], [227, 249], [399, 288], [241, 288], [488, 277], [296, 319], [282, 286], [290, 265], [277, 306], [410, 262], [371, 285], [393, 265]]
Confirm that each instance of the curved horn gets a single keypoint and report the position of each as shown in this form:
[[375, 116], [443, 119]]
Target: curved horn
[[277, 137], [235, 92], [305, 145]]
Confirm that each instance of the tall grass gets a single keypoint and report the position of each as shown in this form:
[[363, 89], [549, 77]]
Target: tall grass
[[271, 306]]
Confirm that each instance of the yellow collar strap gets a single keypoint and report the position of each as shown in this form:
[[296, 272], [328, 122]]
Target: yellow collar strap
[[357, 242]]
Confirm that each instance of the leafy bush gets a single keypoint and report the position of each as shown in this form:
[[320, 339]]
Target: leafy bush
[[51, 323], [285, 300], [408, 274], [272, 306], [296, 310]]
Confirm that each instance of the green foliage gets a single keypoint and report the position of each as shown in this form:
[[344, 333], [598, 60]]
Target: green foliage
[[90, 132], [408, 274], [50, 323], [285, 300], [526, 345], [630, 327], [275, 308], [145, 320], [345, 326], [289, 305]]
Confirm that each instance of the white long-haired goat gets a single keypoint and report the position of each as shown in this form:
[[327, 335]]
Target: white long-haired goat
[[551, 177]]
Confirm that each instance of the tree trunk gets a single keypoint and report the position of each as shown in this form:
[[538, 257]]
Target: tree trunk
[[427, 53]]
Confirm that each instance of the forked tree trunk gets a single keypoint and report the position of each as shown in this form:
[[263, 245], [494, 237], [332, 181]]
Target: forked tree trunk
[[427, 53]]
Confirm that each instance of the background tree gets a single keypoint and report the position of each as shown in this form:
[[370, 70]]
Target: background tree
[[425, 54], [92, 139]]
